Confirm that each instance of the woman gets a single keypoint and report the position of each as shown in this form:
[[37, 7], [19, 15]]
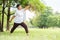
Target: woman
[[19, 18]]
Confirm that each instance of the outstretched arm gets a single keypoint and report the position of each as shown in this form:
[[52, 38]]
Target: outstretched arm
[[27, 6]]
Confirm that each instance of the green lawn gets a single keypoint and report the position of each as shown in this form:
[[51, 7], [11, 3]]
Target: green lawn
[[34, 34]]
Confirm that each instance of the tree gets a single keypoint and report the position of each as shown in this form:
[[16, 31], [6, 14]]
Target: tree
[[3, 14], [1, 30], [41, 20], [8, 15], [0, 24]]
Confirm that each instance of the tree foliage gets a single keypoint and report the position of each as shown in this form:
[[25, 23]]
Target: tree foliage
[[41, 20]]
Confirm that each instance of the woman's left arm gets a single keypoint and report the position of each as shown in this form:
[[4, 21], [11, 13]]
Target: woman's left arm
[[27, 7]]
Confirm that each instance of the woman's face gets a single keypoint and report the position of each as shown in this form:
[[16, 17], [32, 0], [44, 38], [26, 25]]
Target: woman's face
[[20, 7]]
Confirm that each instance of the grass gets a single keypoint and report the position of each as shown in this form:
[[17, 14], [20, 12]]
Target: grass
[[34, 34]]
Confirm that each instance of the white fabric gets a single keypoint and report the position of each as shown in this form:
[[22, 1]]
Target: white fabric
[[20, 16]]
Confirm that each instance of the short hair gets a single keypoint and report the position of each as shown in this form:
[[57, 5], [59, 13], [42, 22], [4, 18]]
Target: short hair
[[17, 5]]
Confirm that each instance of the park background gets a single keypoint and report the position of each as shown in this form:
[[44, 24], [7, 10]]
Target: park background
[[42, 19]]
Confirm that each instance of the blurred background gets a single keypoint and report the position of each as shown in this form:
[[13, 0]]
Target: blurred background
[[42, 14]]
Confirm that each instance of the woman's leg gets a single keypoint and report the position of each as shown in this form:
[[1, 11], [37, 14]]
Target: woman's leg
[[24, 26], [14, 27]]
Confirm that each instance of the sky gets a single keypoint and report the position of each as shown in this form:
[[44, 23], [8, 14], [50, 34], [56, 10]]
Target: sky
[[55, 4]]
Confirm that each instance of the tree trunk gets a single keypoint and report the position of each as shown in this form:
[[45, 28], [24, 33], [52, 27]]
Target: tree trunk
[[8, 16], [0, 24], [3, 14], [1, 27]]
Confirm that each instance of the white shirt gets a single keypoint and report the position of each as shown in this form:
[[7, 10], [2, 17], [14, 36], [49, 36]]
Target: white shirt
[[20, 16]]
